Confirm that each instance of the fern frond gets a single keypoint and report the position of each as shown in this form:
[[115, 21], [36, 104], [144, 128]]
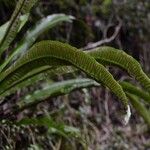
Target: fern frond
[[42, 74], [55, 89], [111, 56], [3, 28], [22, 7], [52, 53], [65, 87], [33, 33], [128, 87], [28, 4]]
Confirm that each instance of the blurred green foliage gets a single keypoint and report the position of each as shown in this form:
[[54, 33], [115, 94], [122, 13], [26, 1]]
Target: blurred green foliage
[[93, 18]]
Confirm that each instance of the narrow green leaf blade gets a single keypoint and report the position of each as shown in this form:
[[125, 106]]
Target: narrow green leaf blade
[[22, 7], [55, 89], [54, 53], [32, 34], [3, 28]]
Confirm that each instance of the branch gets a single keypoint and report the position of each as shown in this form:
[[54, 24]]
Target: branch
[[106, 40]]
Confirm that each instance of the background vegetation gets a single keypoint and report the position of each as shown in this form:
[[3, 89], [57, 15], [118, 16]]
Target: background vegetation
[[87, 118]]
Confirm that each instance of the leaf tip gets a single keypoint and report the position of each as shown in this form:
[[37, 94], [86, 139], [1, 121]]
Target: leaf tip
[[127, 115]]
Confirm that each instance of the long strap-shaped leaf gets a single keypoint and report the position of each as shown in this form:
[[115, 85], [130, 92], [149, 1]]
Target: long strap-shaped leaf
[[128, 87], [4, 27], [55, 89], [42, 74], [55, 53], [22, 7], [65, 87], [33, 33], [111, 56]]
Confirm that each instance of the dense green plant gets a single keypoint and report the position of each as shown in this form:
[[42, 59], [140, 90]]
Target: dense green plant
[[50, 56]]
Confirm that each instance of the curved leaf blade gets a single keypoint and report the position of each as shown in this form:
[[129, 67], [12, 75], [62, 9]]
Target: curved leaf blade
[[32, 34], [52, 53], [111, 56], [22, 7], [56, 89]]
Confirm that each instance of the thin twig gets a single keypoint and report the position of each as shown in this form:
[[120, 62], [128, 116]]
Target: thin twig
[[106, 40]]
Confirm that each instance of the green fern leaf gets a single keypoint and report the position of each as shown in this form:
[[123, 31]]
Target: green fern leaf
[[22, 7], [51, 53], [65, 87], [43, 73], [111, 56], [128, 87], [4, 27], [33, 33], [54, 89]]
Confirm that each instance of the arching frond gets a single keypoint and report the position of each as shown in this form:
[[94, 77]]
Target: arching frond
[[111, 56], [52, 53], [22, 7], [128, 87], [33, 33]]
